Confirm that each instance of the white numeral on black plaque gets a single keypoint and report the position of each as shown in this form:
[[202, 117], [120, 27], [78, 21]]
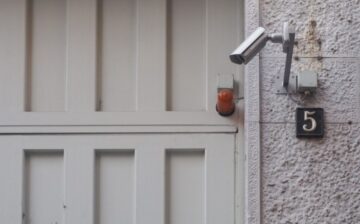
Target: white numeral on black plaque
[[307, 117], [309, 122]]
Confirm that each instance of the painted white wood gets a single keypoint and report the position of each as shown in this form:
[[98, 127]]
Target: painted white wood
[[78, 31], [115, 129], [186, 55], [12, 55], [240, 161], [114, 187], [79, 182], [224, 26], [198, 185], [44, 185], [47, 54], [151, 54], [11, 174], [220, 159], [115, 118], [81, 91], [150, 183], [185, 186], [117, 54], [90, 61]]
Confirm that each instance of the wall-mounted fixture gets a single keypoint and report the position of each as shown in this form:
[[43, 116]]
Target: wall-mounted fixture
[[225, 105], [306, 82], [257, 41]]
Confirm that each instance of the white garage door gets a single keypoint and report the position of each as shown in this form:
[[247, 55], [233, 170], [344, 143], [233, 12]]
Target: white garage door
[[107, 112]]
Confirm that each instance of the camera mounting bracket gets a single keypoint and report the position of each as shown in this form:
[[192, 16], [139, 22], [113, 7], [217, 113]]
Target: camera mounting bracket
[[287, 38]]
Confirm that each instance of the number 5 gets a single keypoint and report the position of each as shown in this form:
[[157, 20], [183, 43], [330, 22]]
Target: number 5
[[308, 118]]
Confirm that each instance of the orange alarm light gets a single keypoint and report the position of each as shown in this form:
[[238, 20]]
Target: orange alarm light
[[225, 102]]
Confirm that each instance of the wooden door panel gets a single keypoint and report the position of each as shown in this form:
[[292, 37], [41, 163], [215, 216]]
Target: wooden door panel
[[141, 179]]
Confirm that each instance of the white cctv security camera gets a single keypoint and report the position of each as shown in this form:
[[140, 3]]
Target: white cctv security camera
[[250, 47], [257, 41]]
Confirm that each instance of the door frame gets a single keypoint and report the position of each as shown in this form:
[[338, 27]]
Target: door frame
[[252, 122]]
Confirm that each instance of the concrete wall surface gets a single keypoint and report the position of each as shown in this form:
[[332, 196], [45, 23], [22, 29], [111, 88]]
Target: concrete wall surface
[[304, 181]]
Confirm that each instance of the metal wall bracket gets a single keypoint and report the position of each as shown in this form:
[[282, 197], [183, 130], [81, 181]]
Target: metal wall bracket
[[290, 89], [288, 41]]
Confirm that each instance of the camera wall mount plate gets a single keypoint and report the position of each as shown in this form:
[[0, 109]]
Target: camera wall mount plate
[[305, 82], [291, 87]]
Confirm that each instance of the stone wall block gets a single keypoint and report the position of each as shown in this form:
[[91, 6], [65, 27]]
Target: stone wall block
[[311, 181]]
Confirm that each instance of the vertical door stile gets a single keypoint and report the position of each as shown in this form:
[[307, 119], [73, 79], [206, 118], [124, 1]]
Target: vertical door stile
[[79, 184], [13, 22], [11, 173], [150, 185], [81, 52], [151, 54], [220, 180]]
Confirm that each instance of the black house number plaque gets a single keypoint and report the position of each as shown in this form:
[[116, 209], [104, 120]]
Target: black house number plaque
[[309, 122]]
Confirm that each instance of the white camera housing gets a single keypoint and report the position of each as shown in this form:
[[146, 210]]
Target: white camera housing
[[250, 47]]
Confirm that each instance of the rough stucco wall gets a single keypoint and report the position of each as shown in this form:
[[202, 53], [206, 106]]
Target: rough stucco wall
[[312, 181]]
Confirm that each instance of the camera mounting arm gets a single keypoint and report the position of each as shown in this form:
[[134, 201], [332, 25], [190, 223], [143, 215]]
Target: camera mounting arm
[[287, 38]]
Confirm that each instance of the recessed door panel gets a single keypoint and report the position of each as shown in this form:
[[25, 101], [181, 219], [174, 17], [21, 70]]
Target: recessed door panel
[[117, 54], [185, 186], [44, 185], [46, 55], [114, 186], [186, 55]]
